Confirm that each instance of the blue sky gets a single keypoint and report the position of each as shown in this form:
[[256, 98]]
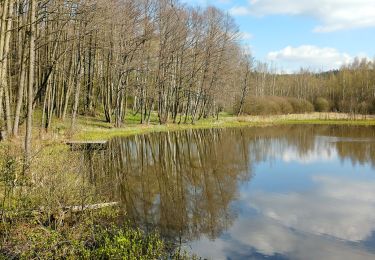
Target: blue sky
[[315, 34]]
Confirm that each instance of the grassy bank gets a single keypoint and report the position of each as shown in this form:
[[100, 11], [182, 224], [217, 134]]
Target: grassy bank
[[90, 128]]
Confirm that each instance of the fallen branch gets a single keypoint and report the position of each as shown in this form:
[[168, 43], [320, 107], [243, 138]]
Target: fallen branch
[[90, 207]]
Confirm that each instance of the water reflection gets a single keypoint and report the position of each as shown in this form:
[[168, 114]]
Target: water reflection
[[329, 222], [182, 182], [291, 192]]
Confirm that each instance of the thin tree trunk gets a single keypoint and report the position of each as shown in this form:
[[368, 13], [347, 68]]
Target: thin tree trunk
[[20, 94], [77, 92], [29, 122], [4, 49]]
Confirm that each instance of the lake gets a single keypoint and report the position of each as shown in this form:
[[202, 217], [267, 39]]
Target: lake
[[278, 192]]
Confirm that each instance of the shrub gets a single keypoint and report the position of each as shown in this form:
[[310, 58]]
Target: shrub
[[372, 107], [301, 105], [272, 105], [284, 107], [322, 105]]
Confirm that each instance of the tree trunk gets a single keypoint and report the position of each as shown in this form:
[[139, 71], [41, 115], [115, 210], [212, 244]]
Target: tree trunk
[[29, 122]]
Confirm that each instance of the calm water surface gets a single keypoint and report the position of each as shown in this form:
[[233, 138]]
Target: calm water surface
[[291, 192]]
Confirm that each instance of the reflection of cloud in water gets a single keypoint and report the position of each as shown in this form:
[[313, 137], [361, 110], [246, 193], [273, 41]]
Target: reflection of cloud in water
[[344, 209], [264, 235], [258, 238], [313, 156], [325, 223]]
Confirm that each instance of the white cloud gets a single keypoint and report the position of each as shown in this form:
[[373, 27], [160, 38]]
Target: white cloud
[[206, 2], [309, 56], [240, 11], [333, 14], [245, 36]]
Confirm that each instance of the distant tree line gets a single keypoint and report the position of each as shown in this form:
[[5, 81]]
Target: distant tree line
[[64, 58], [351, 89]]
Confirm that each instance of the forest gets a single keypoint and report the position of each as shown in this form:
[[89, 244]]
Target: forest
[[61, 59]]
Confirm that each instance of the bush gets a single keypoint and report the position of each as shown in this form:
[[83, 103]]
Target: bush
[[322, 105], [372, 107], [301, 105], [284, 107], [272, 105]]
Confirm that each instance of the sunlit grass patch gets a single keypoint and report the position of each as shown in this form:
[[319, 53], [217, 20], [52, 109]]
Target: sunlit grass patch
[[105, 131]]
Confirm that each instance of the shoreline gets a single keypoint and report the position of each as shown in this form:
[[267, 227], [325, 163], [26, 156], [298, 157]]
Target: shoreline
[[105, 131]]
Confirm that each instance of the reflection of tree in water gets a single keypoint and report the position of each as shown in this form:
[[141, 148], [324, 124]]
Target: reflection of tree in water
[[267, 143], [354, 143], [182, 182], [357, 152]]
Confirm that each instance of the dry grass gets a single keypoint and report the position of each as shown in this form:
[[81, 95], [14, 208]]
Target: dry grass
[[310, 116], [88, 131]]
